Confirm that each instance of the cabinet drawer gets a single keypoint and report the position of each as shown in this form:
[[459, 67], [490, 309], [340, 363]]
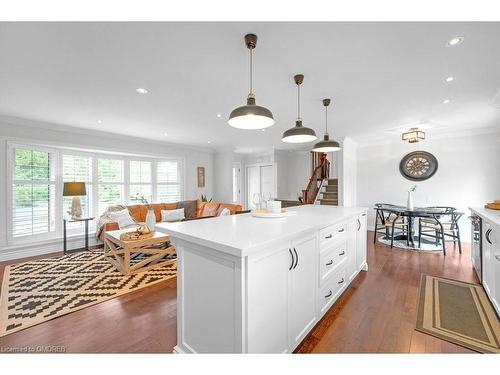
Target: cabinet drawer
[[331, 258], [332, 288], [332, 234]]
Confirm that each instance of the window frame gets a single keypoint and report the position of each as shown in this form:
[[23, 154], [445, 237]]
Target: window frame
[[57, 151]]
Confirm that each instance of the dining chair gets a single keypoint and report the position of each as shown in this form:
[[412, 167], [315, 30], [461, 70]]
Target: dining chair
[[387, 221], [440, 226]]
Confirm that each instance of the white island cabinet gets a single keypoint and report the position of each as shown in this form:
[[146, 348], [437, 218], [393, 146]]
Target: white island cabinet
[[254, 285]]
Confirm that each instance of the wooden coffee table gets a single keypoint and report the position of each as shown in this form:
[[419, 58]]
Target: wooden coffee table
[[119, 253]]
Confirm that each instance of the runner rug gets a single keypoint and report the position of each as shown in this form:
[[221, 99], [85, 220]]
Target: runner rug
[[458, 312]]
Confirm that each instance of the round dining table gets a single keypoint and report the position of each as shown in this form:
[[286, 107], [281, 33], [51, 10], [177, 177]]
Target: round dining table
[[417, 212]]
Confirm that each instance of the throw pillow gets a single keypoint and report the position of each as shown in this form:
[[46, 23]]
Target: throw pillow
[[189, 208], [210, 209], [123, 218], [225, 212], [172, 215]]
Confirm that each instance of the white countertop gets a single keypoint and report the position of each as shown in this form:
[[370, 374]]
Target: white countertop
[[488, 214], [239, 234]]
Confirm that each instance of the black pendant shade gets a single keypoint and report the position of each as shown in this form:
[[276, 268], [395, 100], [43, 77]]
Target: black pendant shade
[[251, 116], [326, 145], [299, 133]]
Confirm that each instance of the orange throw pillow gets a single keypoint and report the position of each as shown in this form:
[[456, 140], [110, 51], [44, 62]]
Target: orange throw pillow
[[210, 209]]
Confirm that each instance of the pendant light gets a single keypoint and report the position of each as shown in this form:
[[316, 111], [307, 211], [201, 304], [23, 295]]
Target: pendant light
[[299, 133], [413, 135], [251, 116], [326, 145]]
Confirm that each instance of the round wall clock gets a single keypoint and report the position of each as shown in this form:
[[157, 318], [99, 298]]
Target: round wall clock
[[418, 165]]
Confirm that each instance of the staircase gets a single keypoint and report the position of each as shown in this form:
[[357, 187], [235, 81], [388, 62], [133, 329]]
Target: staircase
[[329, 192]]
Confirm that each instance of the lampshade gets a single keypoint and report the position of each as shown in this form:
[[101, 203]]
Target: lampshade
[[298, 134], [73, 189], [251, 116], [326, 145]]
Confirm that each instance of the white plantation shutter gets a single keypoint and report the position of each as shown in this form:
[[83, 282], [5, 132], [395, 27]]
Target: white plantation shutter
[[110, 183], [78, 168], [140, 180], [33, 193], [168, 179]]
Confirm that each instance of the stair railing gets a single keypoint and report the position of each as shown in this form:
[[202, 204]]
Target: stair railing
[[321, 170]]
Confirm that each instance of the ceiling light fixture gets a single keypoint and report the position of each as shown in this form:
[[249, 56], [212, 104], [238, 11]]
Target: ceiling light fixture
[[299, 133], [450, 79], [141, 90], [446, 101], [326, 145], [251, 116], [219, 115], [455, 41], [413, 135]]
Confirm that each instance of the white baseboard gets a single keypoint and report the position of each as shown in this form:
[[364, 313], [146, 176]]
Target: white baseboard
[[30, 250]]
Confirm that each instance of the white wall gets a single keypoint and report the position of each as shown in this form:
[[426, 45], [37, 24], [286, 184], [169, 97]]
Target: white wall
[[57, 135], [293, 172], [468, 175], [223, 162], [348, 172]]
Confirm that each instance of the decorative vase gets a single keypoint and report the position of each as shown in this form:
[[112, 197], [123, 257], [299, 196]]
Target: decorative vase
[[409, 202], [151, 220]]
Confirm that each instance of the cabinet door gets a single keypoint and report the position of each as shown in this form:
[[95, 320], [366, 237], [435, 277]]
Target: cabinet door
[[352, 235], [361, 242], [495, 255], [303, 289], [487, 259], [268, 278]]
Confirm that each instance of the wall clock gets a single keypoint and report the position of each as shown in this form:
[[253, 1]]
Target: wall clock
[[418, 165]]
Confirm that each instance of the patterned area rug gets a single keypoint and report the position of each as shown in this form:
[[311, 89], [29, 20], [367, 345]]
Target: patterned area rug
[[44, 289], [401, 244], [458, 312]]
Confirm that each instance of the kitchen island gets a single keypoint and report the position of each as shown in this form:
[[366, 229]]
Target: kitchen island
[[259, 285]]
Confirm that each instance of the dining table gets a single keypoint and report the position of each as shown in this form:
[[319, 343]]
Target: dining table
[[411, 215]]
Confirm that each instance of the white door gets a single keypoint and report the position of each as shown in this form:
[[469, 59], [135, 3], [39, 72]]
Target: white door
[[303, 289], [267, 181], [268, 278], [253, 184], [487, 259], [237, 183], [361, 242]]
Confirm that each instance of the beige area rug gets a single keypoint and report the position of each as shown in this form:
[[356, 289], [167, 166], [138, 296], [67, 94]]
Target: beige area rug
[[39, 290], [458, 312]]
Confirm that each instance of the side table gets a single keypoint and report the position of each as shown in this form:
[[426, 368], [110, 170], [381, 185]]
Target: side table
[[76, 220]]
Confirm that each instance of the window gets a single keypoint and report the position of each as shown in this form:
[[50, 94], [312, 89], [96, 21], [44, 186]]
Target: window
[[110, 183], [140, 181], [33, 193], [168, 181], [77, 168]]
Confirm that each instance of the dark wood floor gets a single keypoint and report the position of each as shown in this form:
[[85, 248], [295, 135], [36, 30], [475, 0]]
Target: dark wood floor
[[375, 315]]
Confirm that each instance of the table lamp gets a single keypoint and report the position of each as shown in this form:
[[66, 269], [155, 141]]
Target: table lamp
[[75, 190]]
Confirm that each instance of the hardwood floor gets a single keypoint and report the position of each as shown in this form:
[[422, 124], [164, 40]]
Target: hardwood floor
[[376, 314]]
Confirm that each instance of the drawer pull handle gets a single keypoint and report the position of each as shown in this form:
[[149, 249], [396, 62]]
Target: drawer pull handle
[[341, 230], [329, 294], [329, 263], [497, 257], [363, 215], [329, 236], [342, 253], [341, 281]]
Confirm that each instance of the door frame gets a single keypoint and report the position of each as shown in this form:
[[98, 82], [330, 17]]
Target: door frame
[[237, 164]]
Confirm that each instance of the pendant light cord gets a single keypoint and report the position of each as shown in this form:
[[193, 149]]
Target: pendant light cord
[[326, 119], [298, 102], [251, 71]]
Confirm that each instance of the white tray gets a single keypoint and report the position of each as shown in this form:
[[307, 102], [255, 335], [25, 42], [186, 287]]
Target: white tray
[[271, 214]]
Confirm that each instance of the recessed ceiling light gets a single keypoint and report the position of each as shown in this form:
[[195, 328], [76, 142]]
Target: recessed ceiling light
[[141, 90], [209, 141], [263, 130], [455, 40], [165, 134], [446, 101], [219, 115], [450, 79], [99, 121]]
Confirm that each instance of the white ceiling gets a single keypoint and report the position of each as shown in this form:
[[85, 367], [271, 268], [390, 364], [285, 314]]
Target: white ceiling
[[380, 76]]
